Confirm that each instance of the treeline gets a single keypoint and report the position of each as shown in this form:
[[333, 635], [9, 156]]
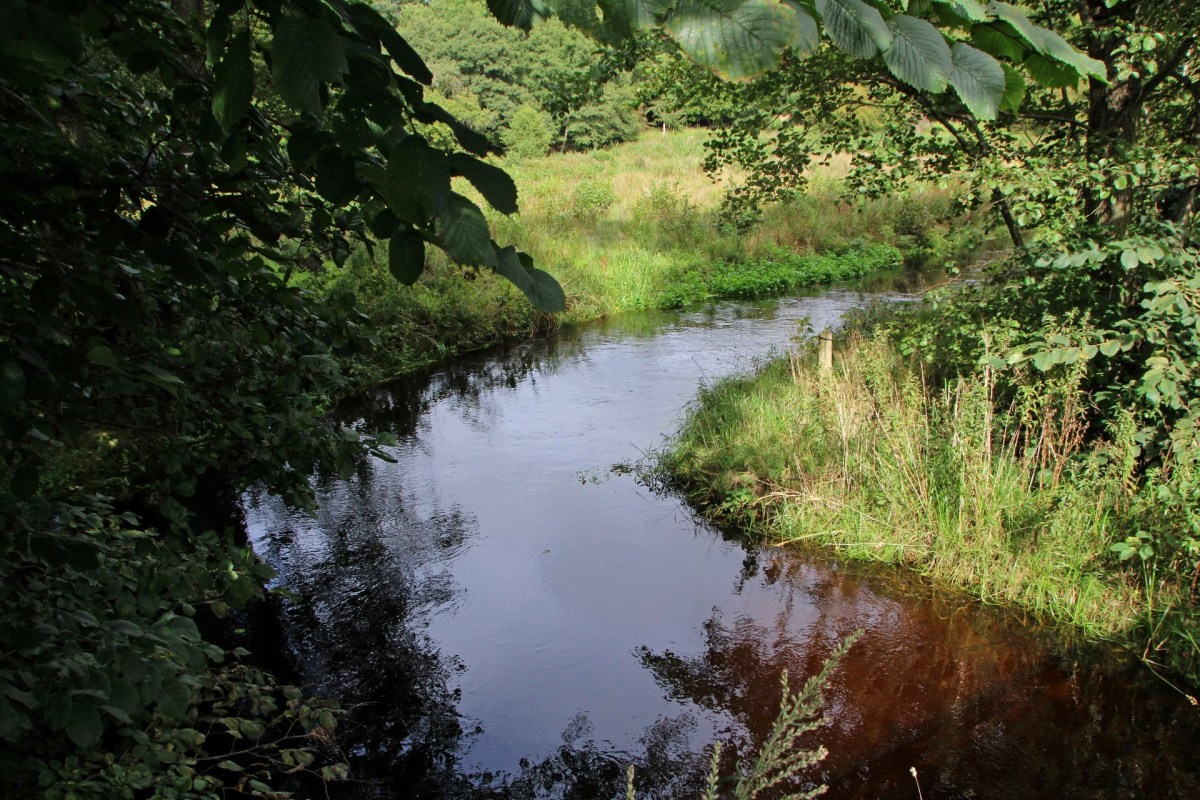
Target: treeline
[[528, 92]]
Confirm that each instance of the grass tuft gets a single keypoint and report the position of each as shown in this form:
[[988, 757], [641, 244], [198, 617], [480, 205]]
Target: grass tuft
[[871, 460]]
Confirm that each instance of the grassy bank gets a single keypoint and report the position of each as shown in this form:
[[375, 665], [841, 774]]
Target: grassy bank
[[633, 227], [873, 462]]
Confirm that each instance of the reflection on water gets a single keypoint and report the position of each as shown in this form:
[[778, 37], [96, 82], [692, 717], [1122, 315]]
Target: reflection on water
[[509, 616]]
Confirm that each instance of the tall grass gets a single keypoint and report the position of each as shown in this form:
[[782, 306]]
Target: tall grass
[[873, 461]]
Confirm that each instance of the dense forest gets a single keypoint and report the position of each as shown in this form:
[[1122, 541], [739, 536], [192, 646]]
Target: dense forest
[[202, 201]]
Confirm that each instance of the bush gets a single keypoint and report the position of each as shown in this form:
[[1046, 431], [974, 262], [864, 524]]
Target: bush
[[591, 199], [529, 133]]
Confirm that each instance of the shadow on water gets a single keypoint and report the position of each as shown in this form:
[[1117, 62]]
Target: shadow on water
[[501, 627]]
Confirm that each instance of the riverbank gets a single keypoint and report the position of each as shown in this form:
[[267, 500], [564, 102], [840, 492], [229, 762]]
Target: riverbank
[[630, 228], [874, 461]]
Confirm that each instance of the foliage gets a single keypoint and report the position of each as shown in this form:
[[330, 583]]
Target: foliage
[[778, 273], [608, 119], [1096, 189], [744, 38], [529, 133], [168, 170], [878, 462], [554, 69]]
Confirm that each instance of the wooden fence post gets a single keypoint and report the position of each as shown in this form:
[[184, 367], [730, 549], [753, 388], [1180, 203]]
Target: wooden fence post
[[825, 350]]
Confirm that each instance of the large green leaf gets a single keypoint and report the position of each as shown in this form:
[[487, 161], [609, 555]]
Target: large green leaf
[[464, 233], [1049, 72], [471, 141], [623, 18], [1016, 17], [401, 51], [304, 54], [972, 10], [546, 294], [855, 27], [1014, 89], [233, 83], [806, 37], [979, 80], [999, 39], [492, 182], [919, 55], [540, 287], [520, 13], [406, 256], [1047, 42], [416, 183], [736, 38]]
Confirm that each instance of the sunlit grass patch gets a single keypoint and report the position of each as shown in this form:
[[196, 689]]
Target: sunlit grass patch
[[870, 460]]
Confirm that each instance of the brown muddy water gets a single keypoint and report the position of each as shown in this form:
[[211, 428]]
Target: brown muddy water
[[510, 612]]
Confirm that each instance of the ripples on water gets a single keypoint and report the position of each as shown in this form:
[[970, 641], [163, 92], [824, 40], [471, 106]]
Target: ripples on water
[[512, 617]]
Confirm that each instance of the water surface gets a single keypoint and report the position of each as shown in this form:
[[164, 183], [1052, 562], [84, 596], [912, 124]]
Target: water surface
[[515, 614]]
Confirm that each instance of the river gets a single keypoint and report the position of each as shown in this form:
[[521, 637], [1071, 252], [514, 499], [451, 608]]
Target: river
[[510, 612]]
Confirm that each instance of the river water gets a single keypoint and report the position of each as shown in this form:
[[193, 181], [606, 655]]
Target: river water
[[510, 612]]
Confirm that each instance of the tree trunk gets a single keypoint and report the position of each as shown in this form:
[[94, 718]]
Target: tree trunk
[[1114, 109]]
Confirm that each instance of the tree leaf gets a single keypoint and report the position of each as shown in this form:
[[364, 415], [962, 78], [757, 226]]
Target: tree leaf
[[1000, 40], [519, 13], [1014, 89], [972, 10], [464, 233], [806, 37], [233, 83], [12, 385], [622, 18], [304, 54], [406, 256], [1044, 359], [543, 291], [492, 182], [855, 27], [1047, 42], [736, 38], [546, 294], [471, 141], [416, 183], [85, 726], [919, 55], [1016, 17], [1049, 72], [103, 356], [336, 180], [401, 51], [978, 79]]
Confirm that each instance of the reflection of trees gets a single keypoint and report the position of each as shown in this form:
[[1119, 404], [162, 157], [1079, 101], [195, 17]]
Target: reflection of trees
[[978, 707], [353, 627], [582, 770]]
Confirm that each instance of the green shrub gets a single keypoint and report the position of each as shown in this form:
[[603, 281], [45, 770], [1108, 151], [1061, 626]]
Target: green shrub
[[529, 133], [591, 199]]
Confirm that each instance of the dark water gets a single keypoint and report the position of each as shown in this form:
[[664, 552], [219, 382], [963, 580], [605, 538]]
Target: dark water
[[511, 613]]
